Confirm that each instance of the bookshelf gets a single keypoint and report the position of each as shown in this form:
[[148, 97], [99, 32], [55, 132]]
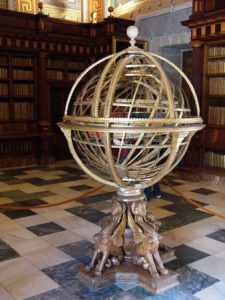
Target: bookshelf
[[4, 87], [214, 101], [40, 58], [55, 68], [74, 68], [207, 25], [63, 68], [17, 87], [17, 101]]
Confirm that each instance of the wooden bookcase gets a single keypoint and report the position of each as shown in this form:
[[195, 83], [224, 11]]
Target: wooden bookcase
[[23, 87], [17, 107], [214, 103], [64, 68], [207, 24], [40, 57]]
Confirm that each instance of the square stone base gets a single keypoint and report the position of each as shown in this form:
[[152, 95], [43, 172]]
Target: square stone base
[[128, 273]]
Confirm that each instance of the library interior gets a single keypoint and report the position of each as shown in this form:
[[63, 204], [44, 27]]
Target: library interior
[[152, 224]]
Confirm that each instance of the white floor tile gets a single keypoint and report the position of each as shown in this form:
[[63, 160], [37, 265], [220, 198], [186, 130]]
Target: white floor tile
[[211, 265], [214, 292]]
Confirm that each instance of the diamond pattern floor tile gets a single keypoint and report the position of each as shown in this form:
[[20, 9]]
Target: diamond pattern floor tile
[[46, 228], [218, 235], [55, 241]]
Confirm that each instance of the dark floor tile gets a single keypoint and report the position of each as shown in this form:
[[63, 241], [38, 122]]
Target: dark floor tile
[[97, 198], [46, 228], [32, 202], [72, 170], [187, 255], [171, 197], [63, 274], [36, 181], [16, 214], [41, 182], [15, 172], [82, 187], [182, 219], [81, 251], [218, 235], [182, 207], [6, 177], [177, 200], [171, 294], [193, 281], [24, 169], [15, 181], [88, 213], [6, 252], [18, 195], [77, 291], [80, 291], [203, 191], [140, 292], [173, 265], [126, 295]]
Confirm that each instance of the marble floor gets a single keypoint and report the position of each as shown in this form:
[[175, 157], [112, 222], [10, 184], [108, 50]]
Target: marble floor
[[42, 249]]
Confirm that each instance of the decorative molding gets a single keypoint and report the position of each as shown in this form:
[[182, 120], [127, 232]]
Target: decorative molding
[[143, 9], [3, 4], [62, 13], [165, 10], [27, 6], [64, 4], [98, 7], [70, 10]]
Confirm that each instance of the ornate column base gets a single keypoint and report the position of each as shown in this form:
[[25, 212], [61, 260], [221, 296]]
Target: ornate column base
[[127, 249]]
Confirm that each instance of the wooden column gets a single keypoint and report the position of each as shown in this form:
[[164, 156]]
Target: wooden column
[[197, 69], [44, 113]]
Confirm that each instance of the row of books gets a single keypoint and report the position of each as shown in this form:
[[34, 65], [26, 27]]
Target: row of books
[[16, 147], [4, 89], [23, 89], [216, 115], [216, 51], [4, 111], [56, 63], [76, 65], [22, 61], [3, 60], [217, 86], [23, 74], [214, 159], [217, 66], [73, 76], [3, 73], [23, 110], [55, 75]]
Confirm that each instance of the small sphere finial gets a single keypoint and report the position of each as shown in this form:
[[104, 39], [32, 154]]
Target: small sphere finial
[[110, 10], [40, 7], [132, 33]]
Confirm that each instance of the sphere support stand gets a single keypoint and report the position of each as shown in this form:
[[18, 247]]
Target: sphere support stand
[[127, 248]]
